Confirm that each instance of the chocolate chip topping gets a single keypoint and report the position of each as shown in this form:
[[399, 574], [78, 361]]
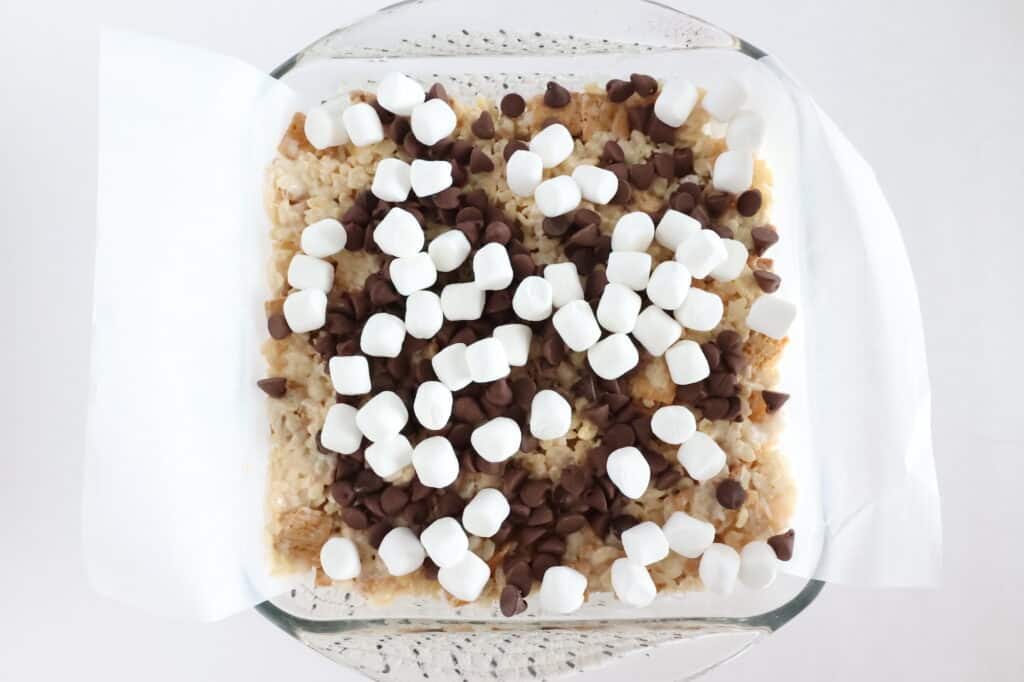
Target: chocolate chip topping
[[644, 85], [749, 203], [612, 153], [556, 96], [763, 237], [275, 387], [774, 399], [512, 147], [513, 105], [511, 601], [768, 281], [278, 327], [480, 162], [639, 116], [664, 165], [619, 90], [717, 202], [437, 91], [783, 544], [641, 175], [730, 494], [660, 132], [483, 126]]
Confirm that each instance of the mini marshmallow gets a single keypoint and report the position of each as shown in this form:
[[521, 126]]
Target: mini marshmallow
[[724, 99], [701, 456], [733, 172], [676, 101], [597, 185], [432, 405], [613, 356], [399, 234], [323, 238], [382, 417], [629, 471], [427, 178], [633, 232], [432, 121], [532, 300], [306, 272], [497, 439], [557, 196], [401, 551], [686, 363], [645, 542], [632, 583], [387, 457], [413, 273], [486, 361], [701, 311], [618, 308], [399, 94], [383, 336], [340, 432], [746, 132], [362, 125], [550, 415], [656, 330], [305, 310], [444, 541], [668, 285], [462, 301], [673, 424], [523, 172], [718, 568], [770, 315], [451, 367], [492, 269], [674, 228], [485, 513], [516, 339], [688, 536], [350, 374], [553, 145], [565, 283], [392, 181], [631, 268], [701, 253], [561, 590], [449, 250], [423, 316], [735, 261], [465, 579], [576, 324], [435, 462], [758, 565], [324, 126], [339, 559]]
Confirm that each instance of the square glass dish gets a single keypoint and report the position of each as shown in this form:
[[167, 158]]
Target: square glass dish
[[490, 48]]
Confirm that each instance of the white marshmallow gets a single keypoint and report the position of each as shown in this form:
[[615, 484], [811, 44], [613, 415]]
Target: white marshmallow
[[324, 126], [413, 273], [718, 568], [701, 311], [532, 300], [339, 559], [724, 99], [758, 565], [306, 272], [553, 144], [451, 367], [362, 125], [382, 417], [645, 543], [550, 415], [633, 232], [618, 308], [462, 301], [561, 590], [632, 583], [305, 310], [465, 579], [497, 439], [523, 172], [401, 551], [673, 424], [423, 316], [432, 121], [486, 360], [686, 363], [350, 374], [387, 457], [669, 284], [399, 234], [656, 330], [597, 185], [746, 132], [629, 471], [435, 462], [444, 541], [676, 101], [770, 315], [340, 433], [557, 196], [516, 339], [735, 261], [392, 181], [701, 456], [631, 268], [613, 356], [576, 324], [565, 283], [688, 536], [485, 513], [701, 253], [674, 228], [427, 178], [733, 171], [398, 93], [432, 405], [323, 238], [449, 250], [383, 336], [492, 269]]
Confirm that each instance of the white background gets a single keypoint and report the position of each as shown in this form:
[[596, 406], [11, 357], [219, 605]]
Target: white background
[[931, 93]]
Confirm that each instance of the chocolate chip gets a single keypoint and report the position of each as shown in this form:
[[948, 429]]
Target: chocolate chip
[[275, 387], [528, 535], [572, 479], [556, 96], [343, 493], [556, 227], [730, 494], [616, 402], [356, 214], [534, 492], [459, 435], [511, 601], [529, 444], [483, 126], [683, 159], [447, 199], [619, 90], [600, 415], [368, 482], [471, 229], [512, 480], [656, 461], [641, 175], [783, 544], [596, 282], [717, 202], [522, 265], [749, 202], [660, 132], [667, 478], [480, 162], [596, 500], [278, 327], [623, 523], [768, 281], [413, 147], [523, 390], [497, 232], [774, 400], [449, 503], [512, 147], [552, 544], [461, 151], [398, 129], [584, 259], [383, 114], [664, 166], [513, 105], [700, 214], [715, 408], [324, 344], [712, 354], [619, 436], [734, 360], [570, 524], [430, 569], [437, 91], [442, 149], [503, 534], [393, 500], [375, 535], [459, 175], [644, 85], [682, 202], [541, 563], [355, 518], [639, 116], [382, 293], [499, 393], [612, 153], [722, 384], [763, 237], [597, 457], [541, 516], [553, 349]]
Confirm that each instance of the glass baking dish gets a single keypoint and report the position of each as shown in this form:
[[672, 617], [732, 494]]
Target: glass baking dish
[[489, 48]]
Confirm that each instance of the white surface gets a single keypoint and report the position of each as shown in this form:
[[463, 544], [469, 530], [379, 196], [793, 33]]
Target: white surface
[[881, 71]]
